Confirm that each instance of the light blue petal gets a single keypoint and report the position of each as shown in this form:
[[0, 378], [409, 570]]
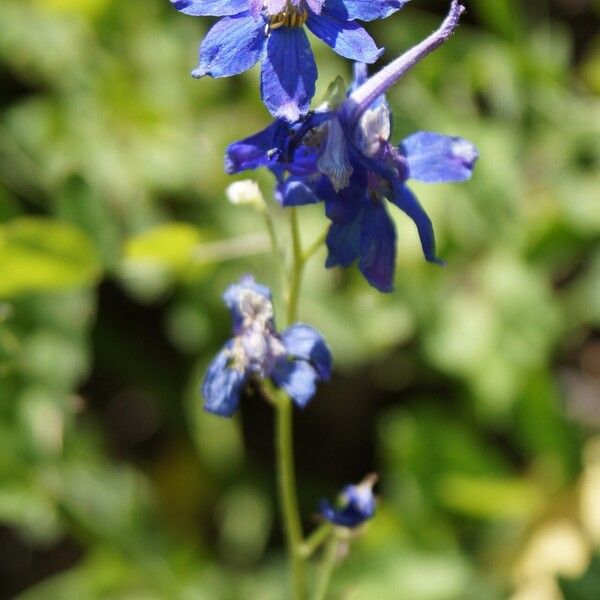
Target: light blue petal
[[436, 158], [305, 342], [232, 45], [347, 38], [363, 10], [407, 202], [288, 74], [210, 8], [298, 378], [222, 385]]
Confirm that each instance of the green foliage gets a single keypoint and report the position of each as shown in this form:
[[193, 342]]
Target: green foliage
[[585, 587], [44, 255], [115, 234]]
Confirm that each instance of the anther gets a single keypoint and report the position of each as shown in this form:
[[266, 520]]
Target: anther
[[291, 17]]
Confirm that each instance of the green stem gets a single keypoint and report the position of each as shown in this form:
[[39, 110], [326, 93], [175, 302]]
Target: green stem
[[284, 444], [287, 493], [314, 247], [316, 539], [297, 268], [276, 248], [327, 569], [284, 436]]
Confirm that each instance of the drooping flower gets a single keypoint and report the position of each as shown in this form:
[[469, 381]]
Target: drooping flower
[[342, 155], [294, 360], [358, 504], [272, 31]]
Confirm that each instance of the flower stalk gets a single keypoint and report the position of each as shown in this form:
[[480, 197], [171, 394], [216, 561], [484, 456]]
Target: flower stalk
[[284, 442], [286, 478], [329, 562]]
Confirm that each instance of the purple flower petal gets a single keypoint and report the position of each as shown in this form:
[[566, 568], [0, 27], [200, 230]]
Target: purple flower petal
[[255, 151], [298, 378], [347, 38], [223, 385], [232, 45], [288, 74], [436, 158], [363, 10], [378, 247], [305, 342], [343, 243], [294, 192], [210, 8], [407, 202]]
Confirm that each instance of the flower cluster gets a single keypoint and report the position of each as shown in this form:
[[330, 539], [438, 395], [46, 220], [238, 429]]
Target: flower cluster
[[272, 32], [294, 360], [342, 155]]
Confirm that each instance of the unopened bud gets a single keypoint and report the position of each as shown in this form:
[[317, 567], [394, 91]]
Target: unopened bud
[[245, 193]]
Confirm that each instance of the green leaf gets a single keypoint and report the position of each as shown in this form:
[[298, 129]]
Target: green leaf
[[41, 254], [489, 497], [172, 245]]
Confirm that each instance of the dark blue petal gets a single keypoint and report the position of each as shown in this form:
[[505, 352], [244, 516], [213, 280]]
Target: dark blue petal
[[223, 385], [288, 74], [257, 150], [348, 516], [347, 38], [359, 504], [343, 244], [363, 10], [210, 8], [343, 206], [298, 378], [305, 342], [435, 158], [232, 45], [304, 162], [406, 201], [377, 247], [293, 192]]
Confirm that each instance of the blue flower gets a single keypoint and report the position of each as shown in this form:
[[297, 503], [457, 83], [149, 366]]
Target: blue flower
[[343, 156], [272, 31], [358, 507], [294, 360]]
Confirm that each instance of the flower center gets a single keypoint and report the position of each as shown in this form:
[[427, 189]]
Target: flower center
[[291, 16]]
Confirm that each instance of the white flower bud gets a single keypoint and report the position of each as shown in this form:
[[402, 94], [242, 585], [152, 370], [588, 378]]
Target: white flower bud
[[245, 193]]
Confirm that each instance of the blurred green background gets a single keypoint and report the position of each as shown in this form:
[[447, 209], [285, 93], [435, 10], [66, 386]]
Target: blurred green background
[[474, 390]]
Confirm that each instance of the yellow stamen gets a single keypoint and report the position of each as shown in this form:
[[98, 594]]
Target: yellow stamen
[[291, 17]]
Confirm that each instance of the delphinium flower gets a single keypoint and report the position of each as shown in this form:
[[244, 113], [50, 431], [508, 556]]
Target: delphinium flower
[[294, 360], [272, 31], [358, 504], [342, 155]]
